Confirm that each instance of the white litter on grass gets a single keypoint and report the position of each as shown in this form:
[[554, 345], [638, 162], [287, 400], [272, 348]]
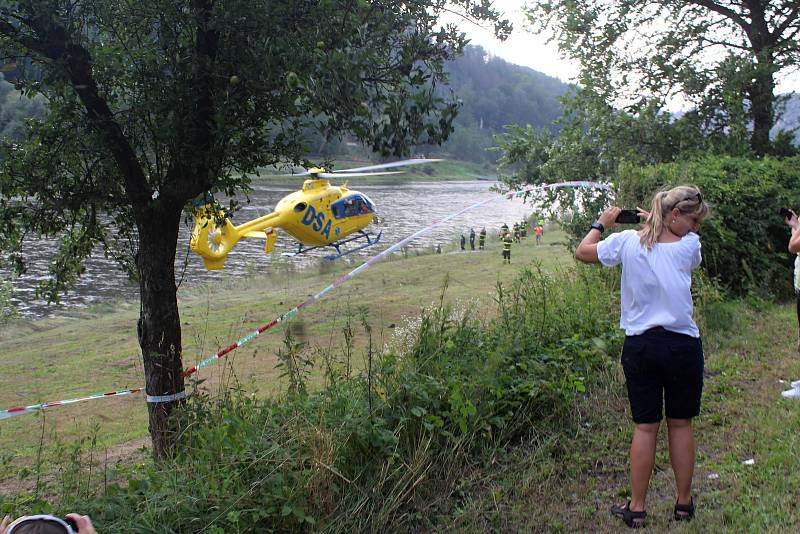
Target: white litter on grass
[[749, 461], [781, 381], [713, 476]]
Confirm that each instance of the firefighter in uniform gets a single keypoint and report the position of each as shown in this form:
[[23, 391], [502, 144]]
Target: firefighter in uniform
[[507, 241], [482, 238]]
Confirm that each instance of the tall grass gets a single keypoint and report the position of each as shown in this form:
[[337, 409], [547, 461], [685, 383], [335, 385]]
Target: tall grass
[[367, 447]]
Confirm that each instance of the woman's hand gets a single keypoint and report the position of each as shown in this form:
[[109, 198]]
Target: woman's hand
[[792, 220], [609, 217], [643, 215]]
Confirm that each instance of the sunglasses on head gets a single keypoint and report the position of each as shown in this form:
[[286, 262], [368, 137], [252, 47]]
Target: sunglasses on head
[[691, 196], [66, 525]]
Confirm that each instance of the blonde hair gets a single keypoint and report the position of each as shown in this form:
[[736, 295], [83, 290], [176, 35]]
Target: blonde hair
[[686, 198]]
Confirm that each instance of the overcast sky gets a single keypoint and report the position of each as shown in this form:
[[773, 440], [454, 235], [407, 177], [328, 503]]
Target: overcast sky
[[525, 48]]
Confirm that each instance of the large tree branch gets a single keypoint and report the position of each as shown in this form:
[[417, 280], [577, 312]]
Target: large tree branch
[[52, 43], [790, 19], [190, 171], [724, 11]]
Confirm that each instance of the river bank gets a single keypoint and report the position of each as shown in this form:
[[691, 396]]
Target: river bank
[[559, 477], [96, 349], [402, 209]]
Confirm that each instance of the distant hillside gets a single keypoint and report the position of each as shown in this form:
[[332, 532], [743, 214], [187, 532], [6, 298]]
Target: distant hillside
[[496, 93], [789, 117], [15, 109]]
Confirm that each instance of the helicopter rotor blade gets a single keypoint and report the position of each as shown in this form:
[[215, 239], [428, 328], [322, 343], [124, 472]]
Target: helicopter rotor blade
[[417, 161], [484, 177], [349, 174], [302, 173]]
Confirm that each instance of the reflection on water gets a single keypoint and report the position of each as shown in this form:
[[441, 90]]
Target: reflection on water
[[403, 209]]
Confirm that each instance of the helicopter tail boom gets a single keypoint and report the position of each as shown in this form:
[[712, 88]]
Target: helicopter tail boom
[[213, 240]]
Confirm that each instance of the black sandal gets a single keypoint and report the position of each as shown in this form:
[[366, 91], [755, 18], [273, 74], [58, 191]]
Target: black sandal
[[683, 512], [629, 517]]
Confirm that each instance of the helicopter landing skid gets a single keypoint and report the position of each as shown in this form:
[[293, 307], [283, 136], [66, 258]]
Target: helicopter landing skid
[[362, 235]]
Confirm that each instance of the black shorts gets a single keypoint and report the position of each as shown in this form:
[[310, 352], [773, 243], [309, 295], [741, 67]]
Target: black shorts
[[663, 368], [507, 254]]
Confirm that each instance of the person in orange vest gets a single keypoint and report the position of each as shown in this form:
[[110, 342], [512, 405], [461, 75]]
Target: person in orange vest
[[539, 231]]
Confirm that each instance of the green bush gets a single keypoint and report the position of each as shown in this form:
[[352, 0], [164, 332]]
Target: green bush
[[745, 239], [8, 310], [372, 450]]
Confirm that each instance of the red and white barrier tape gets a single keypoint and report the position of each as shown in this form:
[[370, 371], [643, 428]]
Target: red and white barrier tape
[[12, 412]]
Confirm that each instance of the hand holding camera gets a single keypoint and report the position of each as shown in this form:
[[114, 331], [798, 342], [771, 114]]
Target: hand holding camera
[[789, 216], [627, 216]]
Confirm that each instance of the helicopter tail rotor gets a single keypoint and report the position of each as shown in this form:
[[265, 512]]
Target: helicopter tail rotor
[[212, 239]]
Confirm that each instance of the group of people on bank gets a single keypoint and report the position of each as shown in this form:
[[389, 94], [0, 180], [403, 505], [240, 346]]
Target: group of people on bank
[[507, 237], [520, 231], [481, 239]]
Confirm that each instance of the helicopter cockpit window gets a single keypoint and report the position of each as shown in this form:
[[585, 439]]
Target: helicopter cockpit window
[[352, 206]]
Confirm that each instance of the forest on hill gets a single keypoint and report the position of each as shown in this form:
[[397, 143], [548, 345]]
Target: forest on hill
[[494, 94]]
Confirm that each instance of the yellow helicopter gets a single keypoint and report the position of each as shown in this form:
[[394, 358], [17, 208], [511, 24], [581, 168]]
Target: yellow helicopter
[[319, 215]]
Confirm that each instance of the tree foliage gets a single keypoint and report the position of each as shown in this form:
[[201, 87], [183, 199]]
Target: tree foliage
[[16, 109], [721, 55], [745, 239], [596, 139], [155, 102]]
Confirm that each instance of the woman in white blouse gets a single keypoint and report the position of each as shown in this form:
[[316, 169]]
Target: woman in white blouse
[[662, 356]]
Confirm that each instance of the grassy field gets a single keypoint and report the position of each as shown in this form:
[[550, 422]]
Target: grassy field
[[567, 479], [96, 351], [559, 479]]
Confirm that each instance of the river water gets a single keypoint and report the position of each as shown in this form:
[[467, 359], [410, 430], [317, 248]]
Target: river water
[[403, 209]]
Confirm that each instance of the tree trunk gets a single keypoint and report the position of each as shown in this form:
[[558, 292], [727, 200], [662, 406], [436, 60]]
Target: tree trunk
[[762, 101], [159, 326], [761, 89]]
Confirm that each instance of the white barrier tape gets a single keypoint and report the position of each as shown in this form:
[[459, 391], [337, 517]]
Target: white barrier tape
[[167, 398], [12, 412]]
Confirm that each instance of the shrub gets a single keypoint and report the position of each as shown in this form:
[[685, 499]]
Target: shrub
[[745, 239], [374, 449]]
